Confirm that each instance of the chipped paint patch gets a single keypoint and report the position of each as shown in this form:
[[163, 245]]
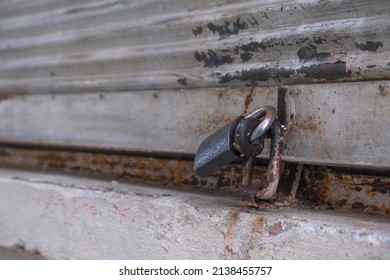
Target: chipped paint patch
[[197, 30], [229, 28], [310, 52], [324, 71], [212, 59], [369, 46], [182, 81]]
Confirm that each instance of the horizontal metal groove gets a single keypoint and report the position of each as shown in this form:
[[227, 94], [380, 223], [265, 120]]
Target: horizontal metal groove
[[85, 53], [29, 146], [215, 10], [137, 14], [131, 28], [65, 15], [13, 149], [26, 147]]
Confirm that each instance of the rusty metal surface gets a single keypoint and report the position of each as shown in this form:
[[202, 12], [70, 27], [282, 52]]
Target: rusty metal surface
[[122, 167], [320, 187], [268, 187], [88, 46], [349, 191], [274, 169]]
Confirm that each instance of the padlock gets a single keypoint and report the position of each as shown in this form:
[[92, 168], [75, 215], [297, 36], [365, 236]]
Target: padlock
[[217, 150], [242, 138]]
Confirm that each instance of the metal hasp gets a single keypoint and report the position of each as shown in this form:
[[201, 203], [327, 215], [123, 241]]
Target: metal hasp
[[250, 193]]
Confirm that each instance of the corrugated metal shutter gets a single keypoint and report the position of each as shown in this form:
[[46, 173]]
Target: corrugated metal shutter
[[158, 76]]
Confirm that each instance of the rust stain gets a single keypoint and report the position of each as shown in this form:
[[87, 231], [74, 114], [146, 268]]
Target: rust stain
[[248, 101], [258, 224], [358, 205], [308, 123], [232, 220], [317, 184], [381, 186], [276, 229], [369, 193], [170, 172], [321, 186]]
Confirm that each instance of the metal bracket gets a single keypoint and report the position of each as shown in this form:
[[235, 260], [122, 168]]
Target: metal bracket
[[285, 121], [286, 109]]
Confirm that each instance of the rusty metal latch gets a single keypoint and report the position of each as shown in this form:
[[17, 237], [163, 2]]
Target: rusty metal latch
[[245, 137], [265, 192]]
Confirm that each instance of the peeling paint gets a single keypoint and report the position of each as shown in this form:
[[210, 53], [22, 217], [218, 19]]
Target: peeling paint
[[324, 71], [197, 30], [228, 29], [251, 47], [310, 52], [182, 81], [211, 59], [369, 46], [246, 57]]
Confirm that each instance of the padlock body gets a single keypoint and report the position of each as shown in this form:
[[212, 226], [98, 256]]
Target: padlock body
[[217, 150]]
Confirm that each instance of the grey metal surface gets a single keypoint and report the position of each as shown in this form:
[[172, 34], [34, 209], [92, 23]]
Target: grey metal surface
[[339, 123], [125, 60], [118, 45]]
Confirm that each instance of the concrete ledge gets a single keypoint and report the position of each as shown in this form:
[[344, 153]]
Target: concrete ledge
[[67, 217]]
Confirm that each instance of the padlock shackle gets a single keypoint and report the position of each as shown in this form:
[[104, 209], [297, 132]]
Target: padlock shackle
[[269, 187], [267, 114]]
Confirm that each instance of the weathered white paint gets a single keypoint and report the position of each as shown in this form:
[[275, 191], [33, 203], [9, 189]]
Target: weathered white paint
[[65, 217], [341, 123], [118, 45]]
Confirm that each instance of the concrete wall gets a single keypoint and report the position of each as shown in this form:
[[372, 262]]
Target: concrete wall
[[66, 217]]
